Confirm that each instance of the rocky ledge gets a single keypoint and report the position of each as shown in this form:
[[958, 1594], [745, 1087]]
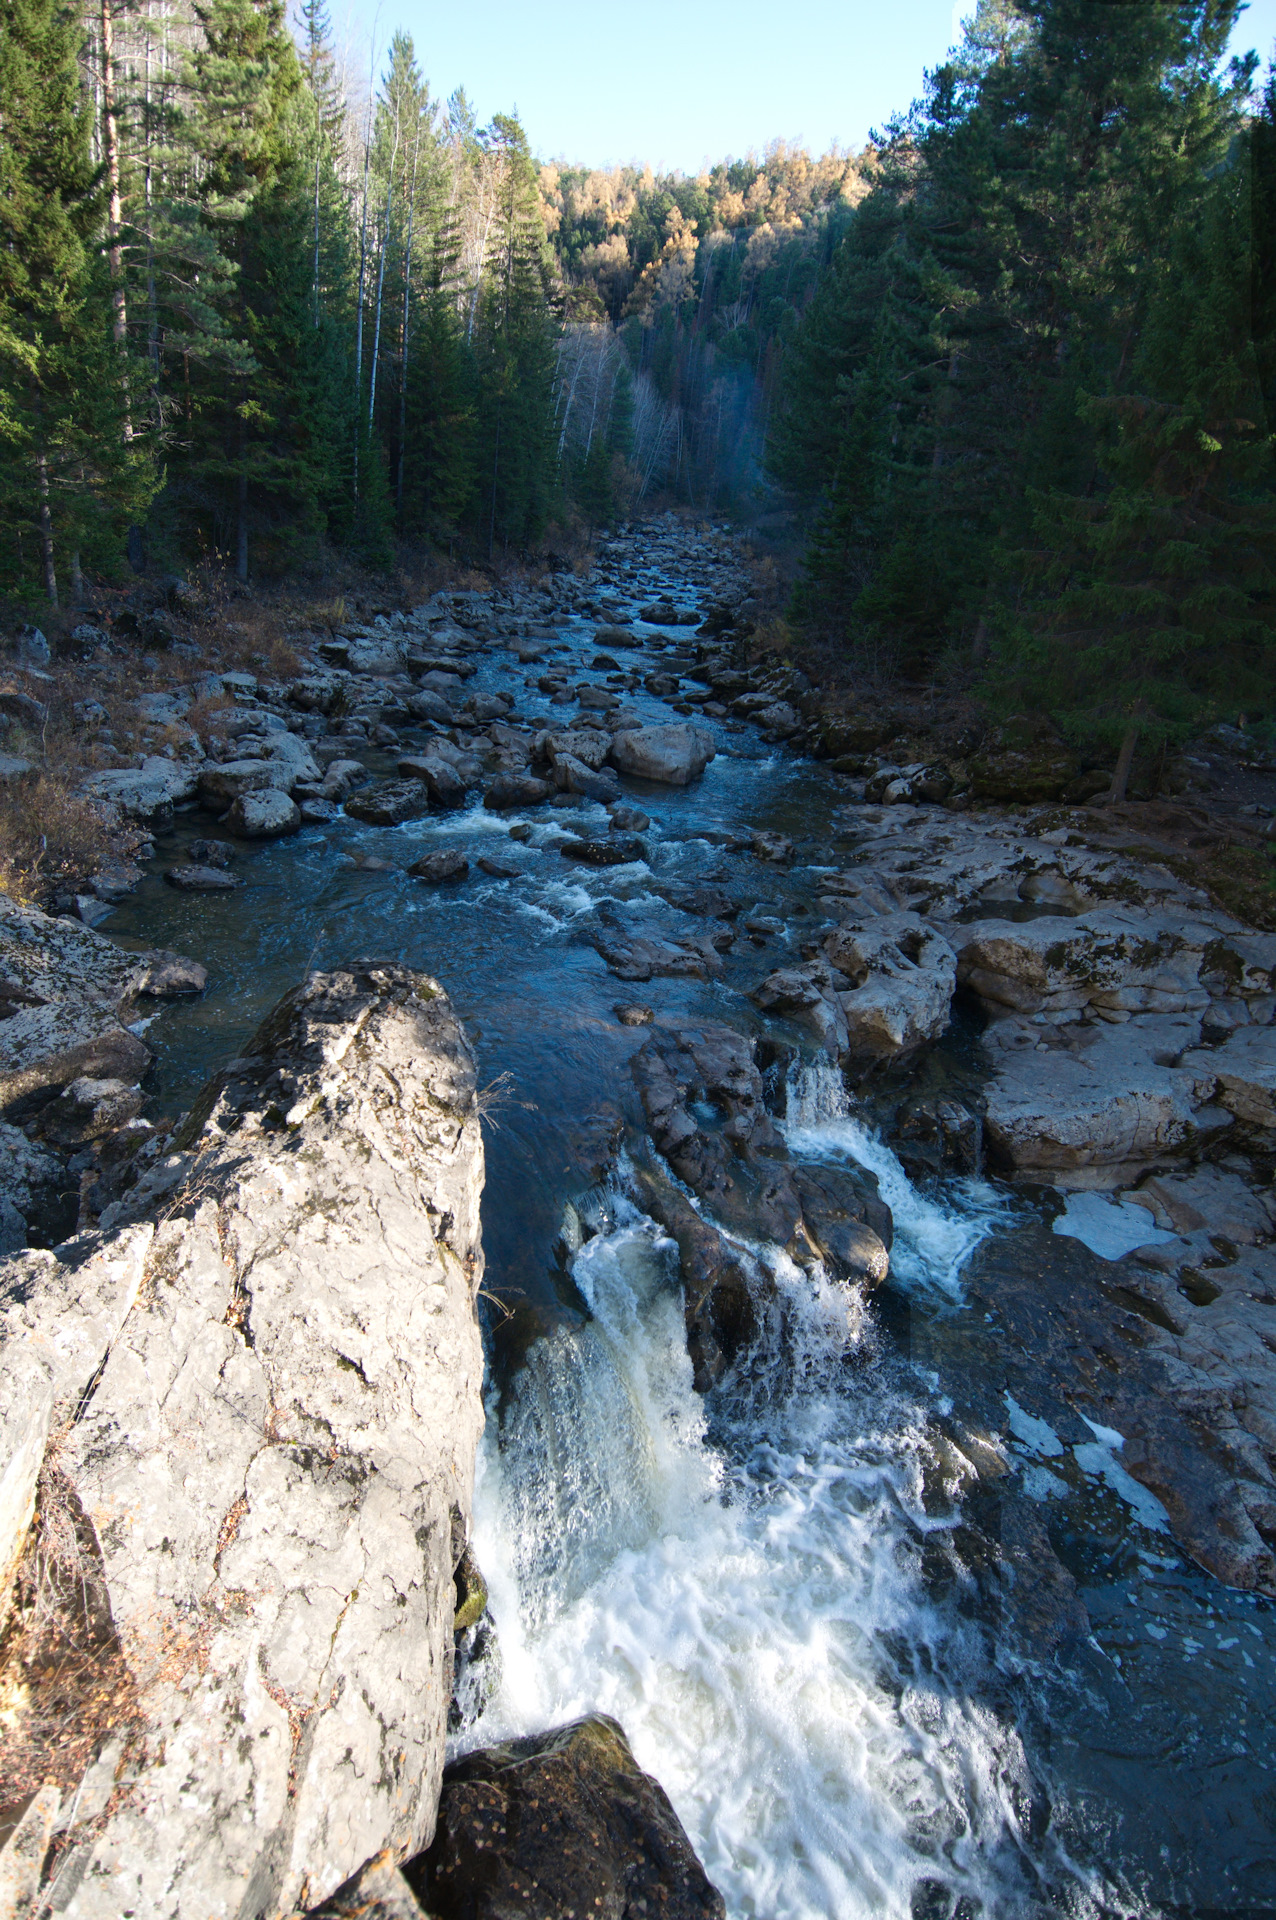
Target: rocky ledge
[[237, 1437]]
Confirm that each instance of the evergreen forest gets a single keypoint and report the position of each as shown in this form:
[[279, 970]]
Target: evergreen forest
[[1014, 363]]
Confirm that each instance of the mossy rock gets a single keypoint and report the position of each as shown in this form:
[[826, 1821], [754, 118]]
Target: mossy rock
[[558, 1823]]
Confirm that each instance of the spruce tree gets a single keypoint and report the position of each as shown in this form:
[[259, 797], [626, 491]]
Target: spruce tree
[[69, 476]]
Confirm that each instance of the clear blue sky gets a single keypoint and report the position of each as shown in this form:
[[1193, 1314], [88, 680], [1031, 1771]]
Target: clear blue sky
[[676, 82]]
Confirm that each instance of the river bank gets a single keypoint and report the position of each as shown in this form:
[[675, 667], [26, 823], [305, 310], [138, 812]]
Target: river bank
[[770, 1023]]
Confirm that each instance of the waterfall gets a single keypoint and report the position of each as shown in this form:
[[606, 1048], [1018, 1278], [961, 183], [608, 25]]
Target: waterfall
[[744, 1595]]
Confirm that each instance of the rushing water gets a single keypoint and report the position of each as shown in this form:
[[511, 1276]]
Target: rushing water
[[748, 1581]]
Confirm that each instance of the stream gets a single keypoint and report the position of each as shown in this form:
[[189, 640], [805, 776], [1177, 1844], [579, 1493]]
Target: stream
[[782, 1588]]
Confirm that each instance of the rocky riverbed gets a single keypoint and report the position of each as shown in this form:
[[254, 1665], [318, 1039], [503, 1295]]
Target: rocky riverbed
[[950, 1120]]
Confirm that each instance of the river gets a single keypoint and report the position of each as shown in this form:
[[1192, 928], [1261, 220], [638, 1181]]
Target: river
[[781, 1589]]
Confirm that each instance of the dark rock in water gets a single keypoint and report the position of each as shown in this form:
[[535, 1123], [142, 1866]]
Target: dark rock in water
[[719, 1290], [263, 815], [202, 880], [603, 663], [772, 846], [573, 776], [520, 832], [390, 802], [443, 781], [211, 853], [496, 869], [640, 958], [604, 853], [438, 868], [848, 1225], [629, 820], [560, 1823], [933, 1134], [318, 812], [87, 1109], [170, 974], [631, 1015], [510, 790]]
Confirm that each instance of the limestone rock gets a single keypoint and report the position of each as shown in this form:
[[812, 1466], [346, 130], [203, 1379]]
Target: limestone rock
[[558, 1823], [277, 1456], [263, 815], [222, 782], [902, 973], [1245, 1075], [65, 988], [148, 792], [674, 755], [390, 802]]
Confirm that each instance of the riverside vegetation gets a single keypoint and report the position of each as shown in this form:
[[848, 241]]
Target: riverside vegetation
[[840, 1477]]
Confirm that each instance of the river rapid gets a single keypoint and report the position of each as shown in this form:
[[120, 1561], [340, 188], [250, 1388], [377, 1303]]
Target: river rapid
[[789, 1590]]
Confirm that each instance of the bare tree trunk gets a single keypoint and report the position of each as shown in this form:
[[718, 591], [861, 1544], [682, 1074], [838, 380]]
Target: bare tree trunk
[[316, 266], [77, 580], [111, 154], [979, 645], [46, 525], [1120, 779], [363, 260], [385, 247], [241, 512], [407, 300]]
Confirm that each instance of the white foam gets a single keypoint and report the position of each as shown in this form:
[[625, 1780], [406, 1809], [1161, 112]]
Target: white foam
[[933, 1238], [753, 1616]]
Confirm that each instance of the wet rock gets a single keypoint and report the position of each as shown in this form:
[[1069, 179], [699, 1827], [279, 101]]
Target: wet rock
[[317, 813], [439, 868], [846, 1222], [573, 776], [171, 975], [628, 820], [443, 781], [631, 1014], [513, 790], [426, 704], [287, 1374], [263, 815], [613, 636], [148, 792], [617, 851], [596, 700], [202, 879], [776, 847], [807, 995], [722, 1289], [212, 853], [640, 958], [390, 802], [902, 975], [496, 869], [674, 755], [934, 1134], [341, 777], [557, 1823], [1075, 1334]]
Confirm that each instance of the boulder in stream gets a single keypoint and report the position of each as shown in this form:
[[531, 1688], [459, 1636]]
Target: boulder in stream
[[674, 755], [560, 1823], [263, 815], [390, 802]]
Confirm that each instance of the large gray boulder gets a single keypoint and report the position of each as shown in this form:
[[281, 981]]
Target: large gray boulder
[[674, 755], [901, 973], [65, 993], [274, 1366], [221, 783], [148, 792], [263, 815]]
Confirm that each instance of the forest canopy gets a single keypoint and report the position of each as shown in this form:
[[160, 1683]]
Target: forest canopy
[[1014, 362]]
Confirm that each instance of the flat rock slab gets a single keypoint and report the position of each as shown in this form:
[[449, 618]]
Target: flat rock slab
[[202, 879]]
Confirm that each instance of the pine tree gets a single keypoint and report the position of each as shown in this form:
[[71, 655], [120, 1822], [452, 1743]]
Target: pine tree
[[514, 351], [69, 479]]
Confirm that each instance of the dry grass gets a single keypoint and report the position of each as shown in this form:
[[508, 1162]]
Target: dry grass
[[64, 1683], [46, 835]]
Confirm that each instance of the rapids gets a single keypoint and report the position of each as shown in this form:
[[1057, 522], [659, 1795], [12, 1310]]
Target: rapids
[[781, 1589]]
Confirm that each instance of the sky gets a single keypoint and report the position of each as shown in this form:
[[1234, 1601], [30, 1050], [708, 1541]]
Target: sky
[[680, 82]]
